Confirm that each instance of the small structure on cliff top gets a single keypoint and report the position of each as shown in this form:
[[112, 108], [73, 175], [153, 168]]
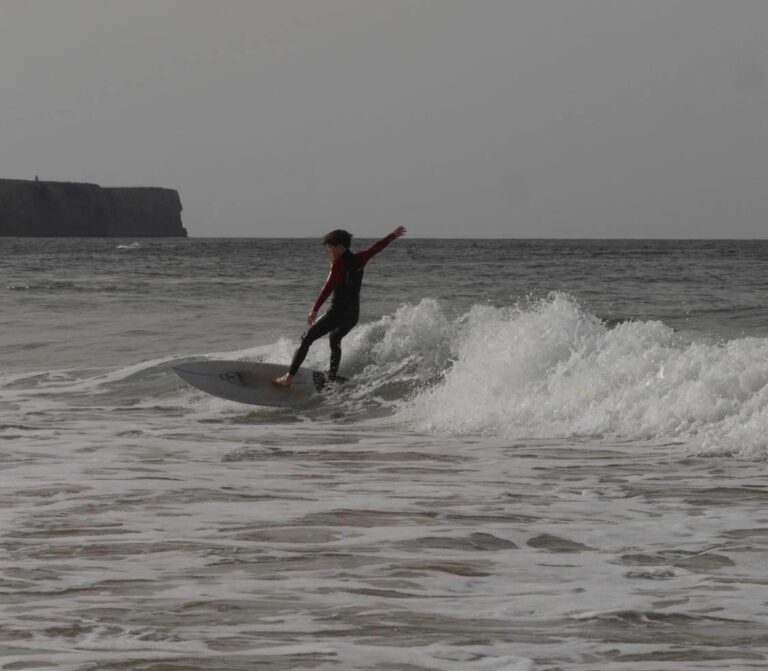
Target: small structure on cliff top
[[71, 209]]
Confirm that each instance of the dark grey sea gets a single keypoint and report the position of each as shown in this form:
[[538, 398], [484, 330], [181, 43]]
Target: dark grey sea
[[551, 455]]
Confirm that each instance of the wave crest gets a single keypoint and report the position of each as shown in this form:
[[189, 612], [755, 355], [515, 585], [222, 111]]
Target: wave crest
[[551, 369]]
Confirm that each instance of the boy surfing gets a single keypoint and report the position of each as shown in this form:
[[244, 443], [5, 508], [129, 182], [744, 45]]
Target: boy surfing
[[344, 281]]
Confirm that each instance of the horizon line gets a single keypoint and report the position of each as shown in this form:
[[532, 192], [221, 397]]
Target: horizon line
[[478, 238]]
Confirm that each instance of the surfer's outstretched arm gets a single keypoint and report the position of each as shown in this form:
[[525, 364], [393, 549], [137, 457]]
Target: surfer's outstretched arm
[[366, 254]]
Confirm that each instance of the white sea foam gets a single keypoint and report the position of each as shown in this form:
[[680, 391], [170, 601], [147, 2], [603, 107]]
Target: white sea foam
[[552, 369]]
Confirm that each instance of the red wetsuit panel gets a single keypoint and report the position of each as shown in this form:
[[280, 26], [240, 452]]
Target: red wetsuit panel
[[338, 271]]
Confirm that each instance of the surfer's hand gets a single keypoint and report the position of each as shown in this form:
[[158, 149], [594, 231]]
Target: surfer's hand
[[311, 317], [398, 232]]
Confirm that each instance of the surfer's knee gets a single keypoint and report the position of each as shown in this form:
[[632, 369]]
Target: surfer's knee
[[307, 338]]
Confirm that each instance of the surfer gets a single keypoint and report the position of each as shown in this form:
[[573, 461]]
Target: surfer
[[344, 281]]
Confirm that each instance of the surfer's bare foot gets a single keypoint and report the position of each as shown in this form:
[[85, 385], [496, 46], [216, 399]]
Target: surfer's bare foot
[[283, 381]]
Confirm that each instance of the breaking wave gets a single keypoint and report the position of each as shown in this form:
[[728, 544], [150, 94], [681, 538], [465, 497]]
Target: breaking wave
[[552, 369]]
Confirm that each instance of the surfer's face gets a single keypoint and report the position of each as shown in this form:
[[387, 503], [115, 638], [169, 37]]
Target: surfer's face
[[336, 250]]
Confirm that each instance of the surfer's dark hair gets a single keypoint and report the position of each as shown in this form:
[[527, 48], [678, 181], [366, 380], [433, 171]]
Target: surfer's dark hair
[[338, 237]]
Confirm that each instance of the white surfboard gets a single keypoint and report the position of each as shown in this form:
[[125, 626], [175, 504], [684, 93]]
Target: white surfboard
[[251, 382]]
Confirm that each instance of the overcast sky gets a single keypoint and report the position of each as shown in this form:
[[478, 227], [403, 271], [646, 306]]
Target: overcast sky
[[455, 118]]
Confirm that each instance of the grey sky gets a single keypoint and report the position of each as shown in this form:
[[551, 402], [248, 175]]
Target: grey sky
[[493, 118]]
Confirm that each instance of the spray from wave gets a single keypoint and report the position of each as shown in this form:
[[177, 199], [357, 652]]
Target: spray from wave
[[551, 369]]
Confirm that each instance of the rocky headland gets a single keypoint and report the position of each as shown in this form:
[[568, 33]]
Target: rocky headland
[[72, 209]]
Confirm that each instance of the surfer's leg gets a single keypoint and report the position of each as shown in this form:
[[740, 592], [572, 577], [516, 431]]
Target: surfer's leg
[[335, 339], [320, 328], [317, 330]]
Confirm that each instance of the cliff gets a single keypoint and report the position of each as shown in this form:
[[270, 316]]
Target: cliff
[[143, 212], [70, 209]]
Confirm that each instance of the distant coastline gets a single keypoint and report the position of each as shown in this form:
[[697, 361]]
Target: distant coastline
[[36, 208]]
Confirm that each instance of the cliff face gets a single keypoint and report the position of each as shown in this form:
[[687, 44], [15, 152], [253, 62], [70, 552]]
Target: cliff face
[[68, 209], [143, 212]]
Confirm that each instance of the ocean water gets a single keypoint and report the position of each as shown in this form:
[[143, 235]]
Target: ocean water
[[551, 455]]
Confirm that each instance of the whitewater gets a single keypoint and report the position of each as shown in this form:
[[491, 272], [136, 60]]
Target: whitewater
[[551, 455]]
